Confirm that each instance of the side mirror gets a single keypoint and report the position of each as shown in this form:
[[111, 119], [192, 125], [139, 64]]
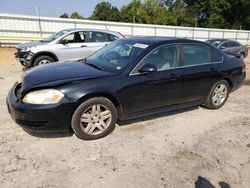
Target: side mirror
[[147, 68], [222, 47], [63, 42]]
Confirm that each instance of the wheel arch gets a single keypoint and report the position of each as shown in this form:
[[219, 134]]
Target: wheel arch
[[230, 83], [109, 96], [50, 54]]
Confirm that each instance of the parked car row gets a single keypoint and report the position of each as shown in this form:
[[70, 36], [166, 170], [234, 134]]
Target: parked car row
[[126, 79]]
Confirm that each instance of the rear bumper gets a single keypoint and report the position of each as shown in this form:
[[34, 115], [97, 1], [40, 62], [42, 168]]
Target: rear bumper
[[39, 118], [239, 82]]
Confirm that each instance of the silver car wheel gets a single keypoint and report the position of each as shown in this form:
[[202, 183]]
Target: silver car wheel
[[220, 94], [242, 56], [95, 119], [44, 61]]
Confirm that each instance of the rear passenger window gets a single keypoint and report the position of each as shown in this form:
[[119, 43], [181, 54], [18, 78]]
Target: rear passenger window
[[215, 56], [97, 37], [233, 44], [194, 54], [112, 37]]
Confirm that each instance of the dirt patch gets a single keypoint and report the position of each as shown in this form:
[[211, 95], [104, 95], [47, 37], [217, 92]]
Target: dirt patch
[[7, 55]]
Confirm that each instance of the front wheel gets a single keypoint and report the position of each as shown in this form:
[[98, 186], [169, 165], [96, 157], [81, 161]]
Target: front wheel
[[218, 95], [94, 118], [41, 60]]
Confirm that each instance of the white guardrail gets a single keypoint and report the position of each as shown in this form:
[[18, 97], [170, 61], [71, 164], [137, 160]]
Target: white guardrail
[[20, 28]]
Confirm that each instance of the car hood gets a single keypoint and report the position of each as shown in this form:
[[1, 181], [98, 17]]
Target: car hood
[[31, 44], [59, 73]]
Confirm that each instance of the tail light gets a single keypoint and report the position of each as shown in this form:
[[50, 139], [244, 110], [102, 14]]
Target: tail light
[[244, 67]]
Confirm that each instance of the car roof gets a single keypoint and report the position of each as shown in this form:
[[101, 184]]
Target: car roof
[[158, 40], [221, 40], [88, 29]]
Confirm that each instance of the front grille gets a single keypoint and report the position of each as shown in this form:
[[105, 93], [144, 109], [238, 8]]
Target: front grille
[[32, 124], [20, 54]]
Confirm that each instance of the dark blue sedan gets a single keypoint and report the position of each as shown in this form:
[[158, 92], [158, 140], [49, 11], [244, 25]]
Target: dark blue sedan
[[126, 79]]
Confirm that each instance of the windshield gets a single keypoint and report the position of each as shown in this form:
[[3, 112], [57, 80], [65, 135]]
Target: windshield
[[214, 42], [56, 36], [117, 55]]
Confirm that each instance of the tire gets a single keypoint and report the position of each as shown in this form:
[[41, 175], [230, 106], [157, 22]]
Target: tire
[[242, 55], [219, 93], [44, 59], [87, 121]]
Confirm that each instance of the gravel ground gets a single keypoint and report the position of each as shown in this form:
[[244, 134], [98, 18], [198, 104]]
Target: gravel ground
[[193, 148]]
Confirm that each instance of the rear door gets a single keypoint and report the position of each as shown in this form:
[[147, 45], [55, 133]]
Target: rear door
[[198, 72], [95, 41], [234, 47]]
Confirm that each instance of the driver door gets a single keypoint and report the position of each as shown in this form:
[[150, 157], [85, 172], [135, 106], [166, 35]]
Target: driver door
[[156, 89], [72, 46]]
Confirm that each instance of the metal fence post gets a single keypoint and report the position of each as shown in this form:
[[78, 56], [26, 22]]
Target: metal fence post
[[193, 34], [40, 27]]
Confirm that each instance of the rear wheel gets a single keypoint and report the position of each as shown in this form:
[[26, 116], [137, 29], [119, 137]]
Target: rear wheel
[[218, 95], [94, 118], [44, 59]]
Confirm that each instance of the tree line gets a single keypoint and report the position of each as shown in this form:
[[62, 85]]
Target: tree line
[[223, 14]]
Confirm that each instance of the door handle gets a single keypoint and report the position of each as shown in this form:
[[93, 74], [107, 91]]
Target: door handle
[[174, 76], [84, 46]]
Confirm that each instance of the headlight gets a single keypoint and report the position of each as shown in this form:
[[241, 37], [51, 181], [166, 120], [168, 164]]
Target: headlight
[[43, 96], [25, 49]]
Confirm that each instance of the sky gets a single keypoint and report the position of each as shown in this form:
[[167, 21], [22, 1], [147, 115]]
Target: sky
[[54, 8]]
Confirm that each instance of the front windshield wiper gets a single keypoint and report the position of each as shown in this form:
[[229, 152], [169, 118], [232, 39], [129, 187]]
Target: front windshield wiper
[[92, 65]]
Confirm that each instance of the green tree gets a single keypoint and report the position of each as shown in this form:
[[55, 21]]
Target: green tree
[[237, 14], [76, 15], [65, 15], [104, 11], [131, 12], [149, 12]]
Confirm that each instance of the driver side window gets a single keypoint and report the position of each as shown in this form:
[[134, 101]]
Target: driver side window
[[163, 58], [76, 37]]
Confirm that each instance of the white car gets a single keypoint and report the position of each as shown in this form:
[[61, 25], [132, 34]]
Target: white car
[[68, 44]]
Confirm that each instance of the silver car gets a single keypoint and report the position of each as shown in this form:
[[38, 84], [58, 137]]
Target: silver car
[[230, 47], [68, 44]]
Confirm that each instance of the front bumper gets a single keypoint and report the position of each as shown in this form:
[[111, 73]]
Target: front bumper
[[39, 118], [25, 58]]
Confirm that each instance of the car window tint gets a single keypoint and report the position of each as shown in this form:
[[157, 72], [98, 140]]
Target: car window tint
[[75, 37], [194, 54], [215, 56], [225, 44], [82, 36], [163, 58], [97, 37], [233, 44], [112, 37]]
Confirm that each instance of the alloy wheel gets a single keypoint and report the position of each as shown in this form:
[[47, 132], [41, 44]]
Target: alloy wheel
[[44, 61], [95, 119], [219, 94]]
